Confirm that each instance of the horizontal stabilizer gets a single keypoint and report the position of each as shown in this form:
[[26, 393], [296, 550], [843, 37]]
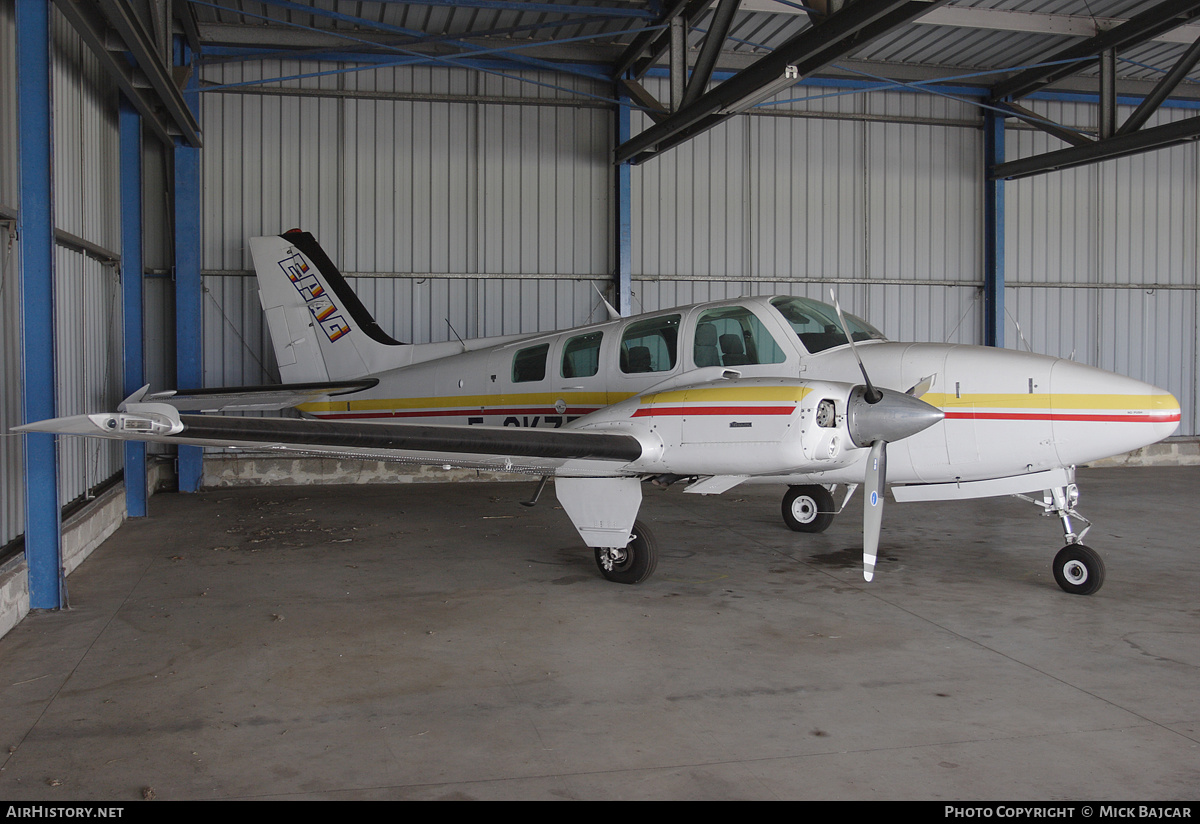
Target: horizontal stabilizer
[[256, 398]]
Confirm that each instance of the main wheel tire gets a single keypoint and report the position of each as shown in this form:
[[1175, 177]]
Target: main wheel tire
[[808, 508], [1078, 569], [635, 562]]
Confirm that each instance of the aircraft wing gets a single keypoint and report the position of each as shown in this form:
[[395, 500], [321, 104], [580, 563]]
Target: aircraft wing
[[508, 449]]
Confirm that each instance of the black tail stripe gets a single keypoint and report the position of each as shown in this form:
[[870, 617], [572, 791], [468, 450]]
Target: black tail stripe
[[306, 243]]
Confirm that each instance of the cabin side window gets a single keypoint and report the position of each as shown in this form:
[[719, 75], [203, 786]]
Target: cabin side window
[[650, 345], [734, 336], [530, 364], [581, 356]]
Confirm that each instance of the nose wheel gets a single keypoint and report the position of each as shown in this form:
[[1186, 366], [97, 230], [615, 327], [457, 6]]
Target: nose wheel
[[1078, 569], [632, 563]]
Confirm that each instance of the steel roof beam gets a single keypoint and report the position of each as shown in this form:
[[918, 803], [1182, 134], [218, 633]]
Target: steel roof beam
[[1063, 133], [815, 47], [1144, 140], [148, 85], [1162, 91], [1149, 24], [710, 50], [646, 101], [649, 46], [154, 65]]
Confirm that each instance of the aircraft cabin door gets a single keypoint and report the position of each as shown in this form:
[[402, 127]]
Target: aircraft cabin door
[[579, 379]]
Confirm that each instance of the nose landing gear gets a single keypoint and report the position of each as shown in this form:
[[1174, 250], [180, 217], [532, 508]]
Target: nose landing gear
[[1078, 569]]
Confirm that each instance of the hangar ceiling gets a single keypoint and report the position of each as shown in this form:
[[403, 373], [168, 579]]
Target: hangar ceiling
[[722, 56], [944, 40]]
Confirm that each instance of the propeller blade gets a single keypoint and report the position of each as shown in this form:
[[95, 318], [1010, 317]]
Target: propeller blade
[[873, 505], [872, 395]]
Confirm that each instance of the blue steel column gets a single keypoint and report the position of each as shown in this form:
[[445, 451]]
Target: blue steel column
[[189, 326], [43, 547], [624, 194], [130, 126], [993, 231]]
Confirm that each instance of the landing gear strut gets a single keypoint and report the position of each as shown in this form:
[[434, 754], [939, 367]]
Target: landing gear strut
[[632, 563], [1078, 568]]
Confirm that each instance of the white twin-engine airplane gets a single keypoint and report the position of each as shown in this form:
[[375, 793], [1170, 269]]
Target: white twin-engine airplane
[[755, 390]]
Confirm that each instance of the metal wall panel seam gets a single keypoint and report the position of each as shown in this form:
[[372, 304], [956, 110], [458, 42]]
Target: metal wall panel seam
[[994, 232], [12, 465], [9, 171]]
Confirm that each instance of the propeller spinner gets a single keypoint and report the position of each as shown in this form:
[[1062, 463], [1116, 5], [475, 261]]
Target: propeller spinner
[[874, 418]]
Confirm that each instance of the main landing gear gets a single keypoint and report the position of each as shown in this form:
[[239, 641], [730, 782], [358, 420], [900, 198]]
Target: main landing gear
[[632, 563], [808, 508], [1078, 568]]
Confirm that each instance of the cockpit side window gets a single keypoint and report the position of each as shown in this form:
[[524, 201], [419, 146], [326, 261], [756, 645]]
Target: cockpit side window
[[650, 345], [733, 336], [817, 325]]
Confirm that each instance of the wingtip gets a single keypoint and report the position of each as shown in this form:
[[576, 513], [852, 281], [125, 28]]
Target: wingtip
[[74, 425]]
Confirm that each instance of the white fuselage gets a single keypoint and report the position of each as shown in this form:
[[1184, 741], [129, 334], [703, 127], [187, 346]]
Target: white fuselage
[[1006, 412]]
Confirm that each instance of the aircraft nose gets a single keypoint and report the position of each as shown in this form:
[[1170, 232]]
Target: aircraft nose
[[1110, 413]]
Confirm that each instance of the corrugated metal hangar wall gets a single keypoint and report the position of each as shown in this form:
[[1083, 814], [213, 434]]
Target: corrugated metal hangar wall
[[490, 203], [88, 313], [497, 215]]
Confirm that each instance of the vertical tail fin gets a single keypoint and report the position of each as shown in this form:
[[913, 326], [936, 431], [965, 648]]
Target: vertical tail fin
[[319, 327]]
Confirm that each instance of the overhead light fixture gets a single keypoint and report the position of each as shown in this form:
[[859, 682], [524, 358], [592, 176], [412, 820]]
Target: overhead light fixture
[[791, 76]]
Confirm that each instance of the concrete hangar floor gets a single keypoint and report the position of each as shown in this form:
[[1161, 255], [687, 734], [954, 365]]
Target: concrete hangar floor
[[439, 641]]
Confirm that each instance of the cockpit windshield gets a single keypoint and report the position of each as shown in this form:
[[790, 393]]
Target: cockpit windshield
[[817, 325]]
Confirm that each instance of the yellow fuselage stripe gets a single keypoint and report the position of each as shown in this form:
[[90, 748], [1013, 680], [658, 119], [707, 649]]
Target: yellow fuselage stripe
[[1043, 400]]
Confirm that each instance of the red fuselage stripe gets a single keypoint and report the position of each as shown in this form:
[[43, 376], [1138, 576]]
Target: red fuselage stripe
[[657, 411]]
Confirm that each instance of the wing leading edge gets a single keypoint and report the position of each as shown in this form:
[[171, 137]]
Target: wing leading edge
[[507, 448]]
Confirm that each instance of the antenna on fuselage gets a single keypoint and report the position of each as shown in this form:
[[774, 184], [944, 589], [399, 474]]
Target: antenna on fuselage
[[1020, 334], [455, 333], [613, 314]]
